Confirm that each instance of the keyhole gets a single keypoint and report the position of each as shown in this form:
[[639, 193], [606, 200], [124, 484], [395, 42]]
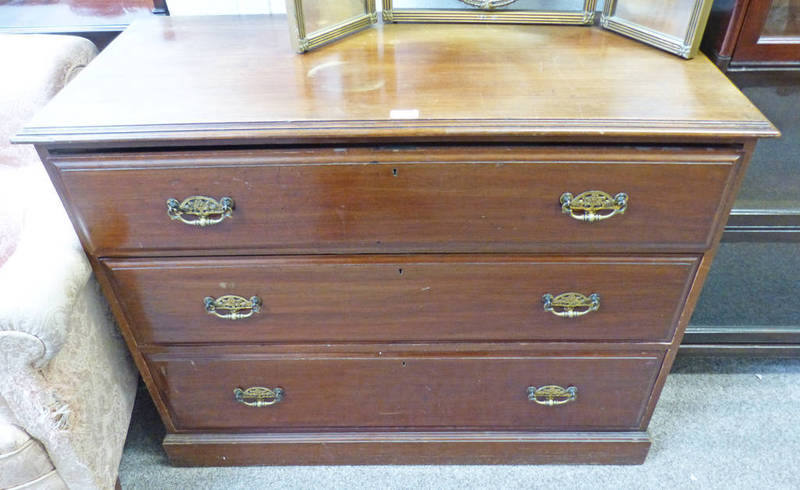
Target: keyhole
[[394, 172], [404, 363], [400, 271]]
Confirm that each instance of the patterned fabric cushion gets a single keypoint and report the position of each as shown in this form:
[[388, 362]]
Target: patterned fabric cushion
[[10, 215], [41, 65], [64, 371], [23, 461]]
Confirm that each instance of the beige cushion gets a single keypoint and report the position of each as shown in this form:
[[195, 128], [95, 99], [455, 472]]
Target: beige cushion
[[64, 371], [50, 481], [10, 214], [35, 68], [24, 463]]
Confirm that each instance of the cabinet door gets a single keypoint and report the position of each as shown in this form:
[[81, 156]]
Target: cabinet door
[[770, 34]]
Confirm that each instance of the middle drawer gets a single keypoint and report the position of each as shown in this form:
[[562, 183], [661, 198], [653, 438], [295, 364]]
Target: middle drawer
[[401, 298]]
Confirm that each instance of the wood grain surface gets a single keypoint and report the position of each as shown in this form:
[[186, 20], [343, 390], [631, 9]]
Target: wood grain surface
[[390, 391], [440, 447], [398, 200], [237, 79], [415, 298]]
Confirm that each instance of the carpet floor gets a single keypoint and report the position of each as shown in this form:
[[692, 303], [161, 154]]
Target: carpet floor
[[721, 423]]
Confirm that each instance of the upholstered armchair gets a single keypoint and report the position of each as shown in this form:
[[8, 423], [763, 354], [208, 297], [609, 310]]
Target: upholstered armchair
[[66, 380]]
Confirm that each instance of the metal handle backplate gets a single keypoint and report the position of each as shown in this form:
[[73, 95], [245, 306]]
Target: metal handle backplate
[[233, 307], [488, 4], [258, 396], [200, 210], [593, 206], [552, 395], [571, 305]]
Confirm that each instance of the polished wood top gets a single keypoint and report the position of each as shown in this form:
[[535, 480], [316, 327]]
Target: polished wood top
[[229, 79]]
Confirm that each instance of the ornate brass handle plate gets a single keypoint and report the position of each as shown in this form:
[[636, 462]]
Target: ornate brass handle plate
[[237, 308], [200, 210], [552, 395], [488, 4], [258, 396], [571, 305], [593, 206]]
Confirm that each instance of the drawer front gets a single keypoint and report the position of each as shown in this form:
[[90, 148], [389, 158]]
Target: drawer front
[[412, 298], [382, 201], [431, 391]]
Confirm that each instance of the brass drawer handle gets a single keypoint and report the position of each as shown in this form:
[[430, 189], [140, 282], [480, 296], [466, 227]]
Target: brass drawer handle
[[234, 305], [200, 210], [592, 206], [552, 395], [258, 396], [571, 305]]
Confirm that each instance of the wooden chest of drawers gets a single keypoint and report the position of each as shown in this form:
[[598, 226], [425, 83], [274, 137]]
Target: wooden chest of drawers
[[501, 275]]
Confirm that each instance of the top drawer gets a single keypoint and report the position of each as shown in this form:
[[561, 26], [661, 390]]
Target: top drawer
[[360, 200]]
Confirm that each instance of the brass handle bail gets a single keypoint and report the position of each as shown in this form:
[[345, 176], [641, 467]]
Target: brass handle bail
[[552, 395], [593, 206], [258, 396], [571, 305], [237, 307], [200, 210]]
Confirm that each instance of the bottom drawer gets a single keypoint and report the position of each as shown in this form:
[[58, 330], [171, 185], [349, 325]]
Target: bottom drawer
[[408, 390]]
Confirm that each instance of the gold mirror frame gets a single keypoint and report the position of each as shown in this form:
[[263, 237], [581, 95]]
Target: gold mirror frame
[[686, 47], [491, 15], [303, 41]]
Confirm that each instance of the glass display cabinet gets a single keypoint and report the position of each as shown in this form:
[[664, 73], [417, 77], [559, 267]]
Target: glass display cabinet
[[748, 304]]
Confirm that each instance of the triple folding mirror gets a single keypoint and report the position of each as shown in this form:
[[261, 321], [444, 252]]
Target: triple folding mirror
[[675, 26]]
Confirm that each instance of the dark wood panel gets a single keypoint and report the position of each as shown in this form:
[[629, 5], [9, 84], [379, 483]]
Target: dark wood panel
[[401, 82], [359, 448], [444, 298], [754, 50], [406, 391], [410, 349], [722, 30], [423, 199]]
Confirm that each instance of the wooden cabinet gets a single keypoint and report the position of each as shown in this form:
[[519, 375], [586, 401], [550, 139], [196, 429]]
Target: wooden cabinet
[[758, 43], [754, 34], [770, 34], [406, 247]]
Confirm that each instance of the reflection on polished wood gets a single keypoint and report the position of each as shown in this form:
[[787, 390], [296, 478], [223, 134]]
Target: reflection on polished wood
[[394, 81]]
